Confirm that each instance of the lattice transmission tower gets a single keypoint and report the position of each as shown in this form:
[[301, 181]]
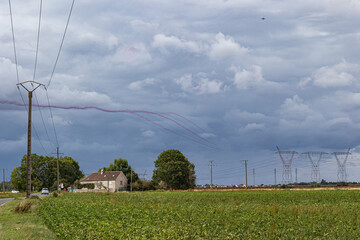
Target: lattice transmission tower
[[341, 158], [286, 159], [315, 158]]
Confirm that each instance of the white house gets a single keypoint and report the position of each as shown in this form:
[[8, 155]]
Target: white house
[[111, 181]]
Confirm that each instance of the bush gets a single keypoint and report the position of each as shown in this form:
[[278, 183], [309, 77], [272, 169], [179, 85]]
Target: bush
[[23, 207], [34, 197], [55, 194]]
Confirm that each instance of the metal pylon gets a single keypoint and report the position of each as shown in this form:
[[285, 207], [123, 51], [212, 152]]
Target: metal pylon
[[341, 159], [286, 159], [315, 158]]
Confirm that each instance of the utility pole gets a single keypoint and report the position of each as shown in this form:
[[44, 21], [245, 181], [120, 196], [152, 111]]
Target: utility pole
[[28, 161], [4, 179], [57, 169], [254, 176], [246, 182], [130, 180], [295, 175], [211, 165], [275, 175]]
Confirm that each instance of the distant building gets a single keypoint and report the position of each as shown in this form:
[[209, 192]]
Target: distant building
[[111, 180]]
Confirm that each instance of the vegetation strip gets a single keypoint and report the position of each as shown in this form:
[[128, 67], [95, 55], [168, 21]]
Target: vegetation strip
[[205, 215], [22, 225]]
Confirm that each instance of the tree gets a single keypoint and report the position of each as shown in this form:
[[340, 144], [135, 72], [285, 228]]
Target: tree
[[174, 169], [43, 172], [121, 164]]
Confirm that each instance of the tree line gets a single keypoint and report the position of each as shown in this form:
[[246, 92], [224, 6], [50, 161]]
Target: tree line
[[172, 171]]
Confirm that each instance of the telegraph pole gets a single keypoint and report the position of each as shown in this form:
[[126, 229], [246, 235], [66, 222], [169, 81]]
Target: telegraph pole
[[57, 168], [295, 175], [28, 161], [246, 182], [254, 176], [275, 175], [211, 165]]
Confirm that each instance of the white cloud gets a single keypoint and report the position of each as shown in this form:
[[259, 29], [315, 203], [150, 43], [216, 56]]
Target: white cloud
[[252, 127], [200, 85], [148, 133], [225, 47], [66, 97], [60, 121], [134, 54], [296, 108], [8, 76], [138, 85], [340, 75], [237, 115], [252, 78], [164, 42]]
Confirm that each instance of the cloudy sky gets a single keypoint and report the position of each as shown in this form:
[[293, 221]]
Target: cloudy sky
[[222, 80]]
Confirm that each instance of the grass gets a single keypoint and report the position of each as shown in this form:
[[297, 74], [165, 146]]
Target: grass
[[11, 195], [22, 225], [205, 215]]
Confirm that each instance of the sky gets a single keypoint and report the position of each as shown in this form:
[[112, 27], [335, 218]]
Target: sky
[[221, 80]]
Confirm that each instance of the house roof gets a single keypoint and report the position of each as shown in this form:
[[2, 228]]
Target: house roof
[[105, 176]]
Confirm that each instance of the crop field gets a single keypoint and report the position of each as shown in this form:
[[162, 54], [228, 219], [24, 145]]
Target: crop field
[[205, 215]]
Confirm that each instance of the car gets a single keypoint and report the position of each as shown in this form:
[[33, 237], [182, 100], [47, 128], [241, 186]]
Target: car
[[45, 191], [14, 191]]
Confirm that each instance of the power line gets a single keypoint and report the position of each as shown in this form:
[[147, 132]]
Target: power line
[[38, 40], [61, 44], [42, 119], [13, 38], [52, 118]]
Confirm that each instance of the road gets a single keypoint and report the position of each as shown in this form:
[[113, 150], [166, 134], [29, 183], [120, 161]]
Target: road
[[5, 200]]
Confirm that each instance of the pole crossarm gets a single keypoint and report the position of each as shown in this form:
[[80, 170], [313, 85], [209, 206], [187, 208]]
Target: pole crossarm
[[32, 83]]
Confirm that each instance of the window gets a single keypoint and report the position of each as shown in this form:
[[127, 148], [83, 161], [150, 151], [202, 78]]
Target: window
[[121, 183]]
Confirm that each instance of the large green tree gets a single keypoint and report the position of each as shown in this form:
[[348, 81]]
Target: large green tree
[[43, 172], [121, 164], [175, 170]]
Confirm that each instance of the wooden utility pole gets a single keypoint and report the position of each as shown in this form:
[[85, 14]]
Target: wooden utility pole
[[246, 182], [211, 180], [57, 168], [28, 161]]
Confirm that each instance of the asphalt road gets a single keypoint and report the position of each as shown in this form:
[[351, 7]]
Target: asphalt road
[[5, 200]]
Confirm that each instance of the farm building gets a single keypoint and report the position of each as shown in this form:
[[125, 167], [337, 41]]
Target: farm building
[[112, 180]]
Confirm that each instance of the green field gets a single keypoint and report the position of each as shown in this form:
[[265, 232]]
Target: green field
[[205, 215]]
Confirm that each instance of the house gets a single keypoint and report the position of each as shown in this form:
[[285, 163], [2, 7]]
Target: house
[[108, 180]]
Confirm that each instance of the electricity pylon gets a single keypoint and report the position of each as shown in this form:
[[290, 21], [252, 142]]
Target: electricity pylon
[[315, 158], [341, 161], [286, 159]]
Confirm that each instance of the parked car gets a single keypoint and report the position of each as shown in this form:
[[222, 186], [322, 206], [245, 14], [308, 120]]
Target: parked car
[[14, 191], [44, 191]]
